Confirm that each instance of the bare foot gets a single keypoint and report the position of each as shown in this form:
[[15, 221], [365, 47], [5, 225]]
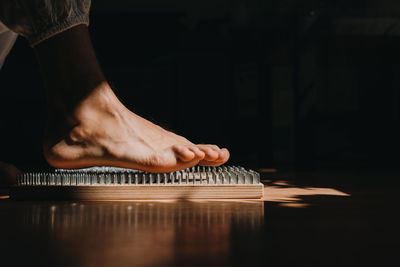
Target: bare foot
[[102, 131], [89, 126]]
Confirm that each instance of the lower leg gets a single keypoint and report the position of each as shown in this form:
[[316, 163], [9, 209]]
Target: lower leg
[[89, 126]]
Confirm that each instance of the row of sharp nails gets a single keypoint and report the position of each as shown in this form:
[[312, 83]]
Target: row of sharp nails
[[194, 175]]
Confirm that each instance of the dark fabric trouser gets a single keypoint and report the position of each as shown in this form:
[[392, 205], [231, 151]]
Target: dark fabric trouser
[[38, 20]]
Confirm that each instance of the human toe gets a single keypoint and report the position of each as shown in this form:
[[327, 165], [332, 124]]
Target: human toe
[[199, 154], [184, 153], [223, 155], [211, 154]]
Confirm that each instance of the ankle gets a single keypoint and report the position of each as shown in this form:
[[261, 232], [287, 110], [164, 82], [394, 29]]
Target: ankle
[[70, 68]]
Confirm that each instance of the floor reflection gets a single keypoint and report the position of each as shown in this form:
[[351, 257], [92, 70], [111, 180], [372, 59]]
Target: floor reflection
[[140, 233], [309, 220]]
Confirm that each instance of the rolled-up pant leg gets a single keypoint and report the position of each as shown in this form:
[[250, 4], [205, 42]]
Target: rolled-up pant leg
[[7, 40], [38, 20]]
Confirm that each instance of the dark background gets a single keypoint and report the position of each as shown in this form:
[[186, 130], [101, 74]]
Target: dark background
[[283, 83]]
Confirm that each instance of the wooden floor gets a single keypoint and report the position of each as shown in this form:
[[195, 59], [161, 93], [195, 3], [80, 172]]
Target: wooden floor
[[326, 218]]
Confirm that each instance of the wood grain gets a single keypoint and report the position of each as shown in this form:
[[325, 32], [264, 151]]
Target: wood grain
[[242, 191]]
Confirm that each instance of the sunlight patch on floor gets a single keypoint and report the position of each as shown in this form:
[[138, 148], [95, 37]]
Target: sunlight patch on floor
[[290, 195]]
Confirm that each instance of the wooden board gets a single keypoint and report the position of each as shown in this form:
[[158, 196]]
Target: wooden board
[[115, 192]]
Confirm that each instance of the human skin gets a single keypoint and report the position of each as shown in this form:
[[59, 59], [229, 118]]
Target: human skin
[[89, 126], [8, 174]]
